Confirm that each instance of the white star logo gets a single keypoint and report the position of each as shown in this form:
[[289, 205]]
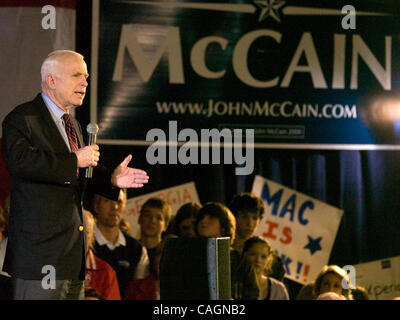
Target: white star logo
[[269, 8]]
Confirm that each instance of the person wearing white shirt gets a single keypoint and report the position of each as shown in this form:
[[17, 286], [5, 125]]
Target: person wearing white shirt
[[124, 253]]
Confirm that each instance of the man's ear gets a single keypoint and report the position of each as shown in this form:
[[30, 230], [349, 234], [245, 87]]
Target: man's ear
[[50, 81]]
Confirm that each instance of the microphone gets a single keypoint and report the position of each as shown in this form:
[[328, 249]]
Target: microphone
[[92, 129]]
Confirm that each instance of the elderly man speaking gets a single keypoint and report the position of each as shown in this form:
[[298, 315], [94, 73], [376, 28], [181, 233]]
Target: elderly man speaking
[[45, 154]]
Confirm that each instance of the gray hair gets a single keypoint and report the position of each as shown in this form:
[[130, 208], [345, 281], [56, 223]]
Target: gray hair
[[51, 61]]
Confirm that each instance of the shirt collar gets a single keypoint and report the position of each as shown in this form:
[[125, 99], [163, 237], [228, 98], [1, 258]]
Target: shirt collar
[[101, 240], [55, 110]]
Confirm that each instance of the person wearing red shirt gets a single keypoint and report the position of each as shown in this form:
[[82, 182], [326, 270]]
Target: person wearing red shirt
[[148, 288], [99, 275]]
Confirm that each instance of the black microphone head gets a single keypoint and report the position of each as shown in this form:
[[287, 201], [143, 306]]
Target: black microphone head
[[92, 128]]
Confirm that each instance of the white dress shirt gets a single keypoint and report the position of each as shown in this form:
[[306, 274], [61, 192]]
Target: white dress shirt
[[57, 114]]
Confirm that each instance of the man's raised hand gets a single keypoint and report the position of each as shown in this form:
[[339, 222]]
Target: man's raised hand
[[126, 177]]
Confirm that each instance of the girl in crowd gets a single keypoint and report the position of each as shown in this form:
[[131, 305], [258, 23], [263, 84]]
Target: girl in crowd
[[256, 252], [330, 279]]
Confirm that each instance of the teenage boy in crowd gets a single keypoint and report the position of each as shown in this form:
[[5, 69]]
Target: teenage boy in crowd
[[154, 218]]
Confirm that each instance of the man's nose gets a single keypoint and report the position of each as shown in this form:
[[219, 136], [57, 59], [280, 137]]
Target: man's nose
[[84, 82]]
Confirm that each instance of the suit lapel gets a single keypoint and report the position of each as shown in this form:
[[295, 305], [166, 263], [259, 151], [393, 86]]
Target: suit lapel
[[50, 130]]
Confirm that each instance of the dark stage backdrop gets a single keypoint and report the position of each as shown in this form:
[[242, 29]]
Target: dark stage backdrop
[[365, 184], [362, 183]]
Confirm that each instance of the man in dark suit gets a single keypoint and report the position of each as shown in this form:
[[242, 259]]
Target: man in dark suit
[[44, 151]]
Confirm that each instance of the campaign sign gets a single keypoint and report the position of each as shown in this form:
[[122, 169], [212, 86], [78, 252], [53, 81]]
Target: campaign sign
[[381, 278], [301, 229], [309, 74], [176, 196]]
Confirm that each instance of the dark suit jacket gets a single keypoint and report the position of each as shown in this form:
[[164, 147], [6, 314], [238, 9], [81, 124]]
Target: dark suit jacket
[[45, 210]]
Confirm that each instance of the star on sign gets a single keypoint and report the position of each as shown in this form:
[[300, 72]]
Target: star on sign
[[313, 245], [269, 8]]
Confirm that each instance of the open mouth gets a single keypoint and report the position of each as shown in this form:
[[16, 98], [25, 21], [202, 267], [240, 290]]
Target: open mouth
[[80, 93]]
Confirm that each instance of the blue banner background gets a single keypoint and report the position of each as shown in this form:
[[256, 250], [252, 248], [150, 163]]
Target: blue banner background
[[126, 110]]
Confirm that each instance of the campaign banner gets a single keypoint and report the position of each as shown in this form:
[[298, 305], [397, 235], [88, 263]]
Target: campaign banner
[[301, 229], [381, 278], [301, 74], [176, 196]]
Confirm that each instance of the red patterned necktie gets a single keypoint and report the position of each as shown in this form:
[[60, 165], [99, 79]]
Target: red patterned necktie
[[71, 134]]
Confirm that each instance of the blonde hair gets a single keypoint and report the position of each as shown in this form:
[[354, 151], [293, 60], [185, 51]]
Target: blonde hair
[[89, 223], [50, 64]]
